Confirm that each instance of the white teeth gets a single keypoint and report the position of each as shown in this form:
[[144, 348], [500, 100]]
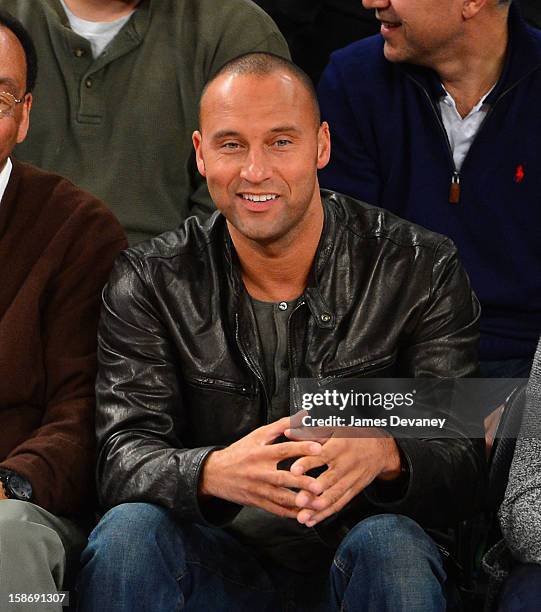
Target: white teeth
[[258, 198]]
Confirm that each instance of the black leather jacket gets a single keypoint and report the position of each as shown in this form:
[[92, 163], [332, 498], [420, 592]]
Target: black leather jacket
[[181, 372]]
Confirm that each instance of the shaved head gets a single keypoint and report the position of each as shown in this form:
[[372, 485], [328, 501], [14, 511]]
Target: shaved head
[[263, 65]]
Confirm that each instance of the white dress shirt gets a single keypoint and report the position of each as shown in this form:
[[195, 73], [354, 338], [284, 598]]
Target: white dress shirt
[[461, 132], [5, 173]]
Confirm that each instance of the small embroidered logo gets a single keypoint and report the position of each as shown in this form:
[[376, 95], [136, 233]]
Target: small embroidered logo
[[519, 174]]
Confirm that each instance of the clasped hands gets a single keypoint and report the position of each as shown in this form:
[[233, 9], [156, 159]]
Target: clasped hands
[[246, 472]]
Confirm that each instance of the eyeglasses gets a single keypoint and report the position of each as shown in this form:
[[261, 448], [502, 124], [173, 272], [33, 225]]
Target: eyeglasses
[[8, 102]]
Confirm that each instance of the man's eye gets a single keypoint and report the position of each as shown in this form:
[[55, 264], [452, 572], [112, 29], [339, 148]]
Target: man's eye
[[230, 145], [283, 142]]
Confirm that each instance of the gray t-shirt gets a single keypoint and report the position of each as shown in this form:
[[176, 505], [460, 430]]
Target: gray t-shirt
[[283, 540], [272, 320]]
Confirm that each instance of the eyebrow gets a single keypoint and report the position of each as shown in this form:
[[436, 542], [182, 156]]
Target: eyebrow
[[225, 134], [285, 128], [232, 134]]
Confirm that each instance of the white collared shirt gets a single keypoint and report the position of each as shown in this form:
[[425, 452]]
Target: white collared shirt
[[461, 132], [5, 173]]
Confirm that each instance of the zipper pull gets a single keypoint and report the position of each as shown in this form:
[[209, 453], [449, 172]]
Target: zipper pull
[[454, 193]]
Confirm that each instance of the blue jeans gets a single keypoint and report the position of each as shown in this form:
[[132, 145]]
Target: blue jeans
[[139, 559], [521, 592]]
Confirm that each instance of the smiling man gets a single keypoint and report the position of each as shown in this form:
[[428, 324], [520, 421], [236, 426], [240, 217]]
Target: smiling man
[[432, 119], [202, 330]]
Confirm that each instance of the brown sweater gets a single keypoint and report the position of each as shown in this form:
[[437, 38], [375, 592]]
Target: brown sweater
[[57, 246]]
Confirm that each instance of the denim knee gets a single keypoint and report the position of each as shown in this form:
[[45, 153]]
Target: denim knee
[[129, 536], [387, 563], [133, 561], [387, 541]]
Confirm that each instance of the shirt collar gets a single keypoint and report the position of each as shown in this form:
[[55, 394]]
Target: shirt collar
[[448, 99], [5, 173]]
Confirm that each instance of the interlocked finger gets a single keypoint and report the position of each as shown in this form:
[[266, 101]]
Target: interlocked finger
[[305, 464], [289, 450], [284, 478], [311, 518]]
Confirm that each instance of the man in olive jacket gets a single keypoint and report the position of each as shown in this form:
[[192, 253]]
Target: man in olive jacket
[[202, 330]]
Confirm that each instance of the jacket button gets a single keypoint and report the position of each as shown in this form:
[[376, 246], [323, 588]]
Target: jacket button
[[325, 317], [79, 52], [282, 305], [88, 83]]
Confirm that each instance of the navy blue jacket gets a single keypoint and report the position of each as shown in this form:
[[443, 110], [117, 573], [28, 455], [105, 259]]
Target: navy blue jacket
[[390, 149]]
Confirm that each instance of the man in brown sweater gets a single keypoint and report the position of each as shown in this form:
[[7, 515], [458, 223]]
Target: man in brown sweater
[[57, 245]]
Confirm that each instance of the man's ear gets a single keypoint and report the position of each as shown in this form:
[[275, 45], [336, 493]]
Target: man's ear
[[24, 123], [470, 8], [197, 139], [323, 145]]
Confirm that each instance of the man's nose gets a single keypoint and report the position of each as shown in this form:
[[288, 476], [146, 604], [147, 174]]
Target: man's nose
[[376, 4], [256, 167]]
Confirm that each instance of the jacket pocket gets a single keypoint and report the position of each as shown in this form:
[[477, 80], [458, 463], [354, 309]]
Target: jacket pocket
[[381, 367], [219, 411], [219, 384]]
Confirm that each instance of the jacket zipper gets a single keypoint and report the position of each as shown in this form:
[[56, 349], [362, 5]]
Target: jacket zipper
[[252, 367], [454, 191], [220, 384], [292, 364], [373, 366]]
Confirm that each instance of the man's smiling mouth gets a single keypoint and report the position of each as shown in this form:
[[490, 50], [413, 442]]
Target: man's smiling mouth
[[255, 197], [391, 24]]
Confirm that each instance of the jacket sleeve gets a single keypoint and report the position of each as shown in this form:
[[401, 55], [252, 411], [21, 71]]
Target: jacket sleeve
[[139, 420], [352, 169], [520, 512], [58, 458], [446, 476]]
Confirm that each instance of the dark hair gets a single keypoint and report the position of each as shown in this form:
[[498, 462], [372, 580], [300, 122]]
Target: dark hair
[[11, 23], [262, 64]]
